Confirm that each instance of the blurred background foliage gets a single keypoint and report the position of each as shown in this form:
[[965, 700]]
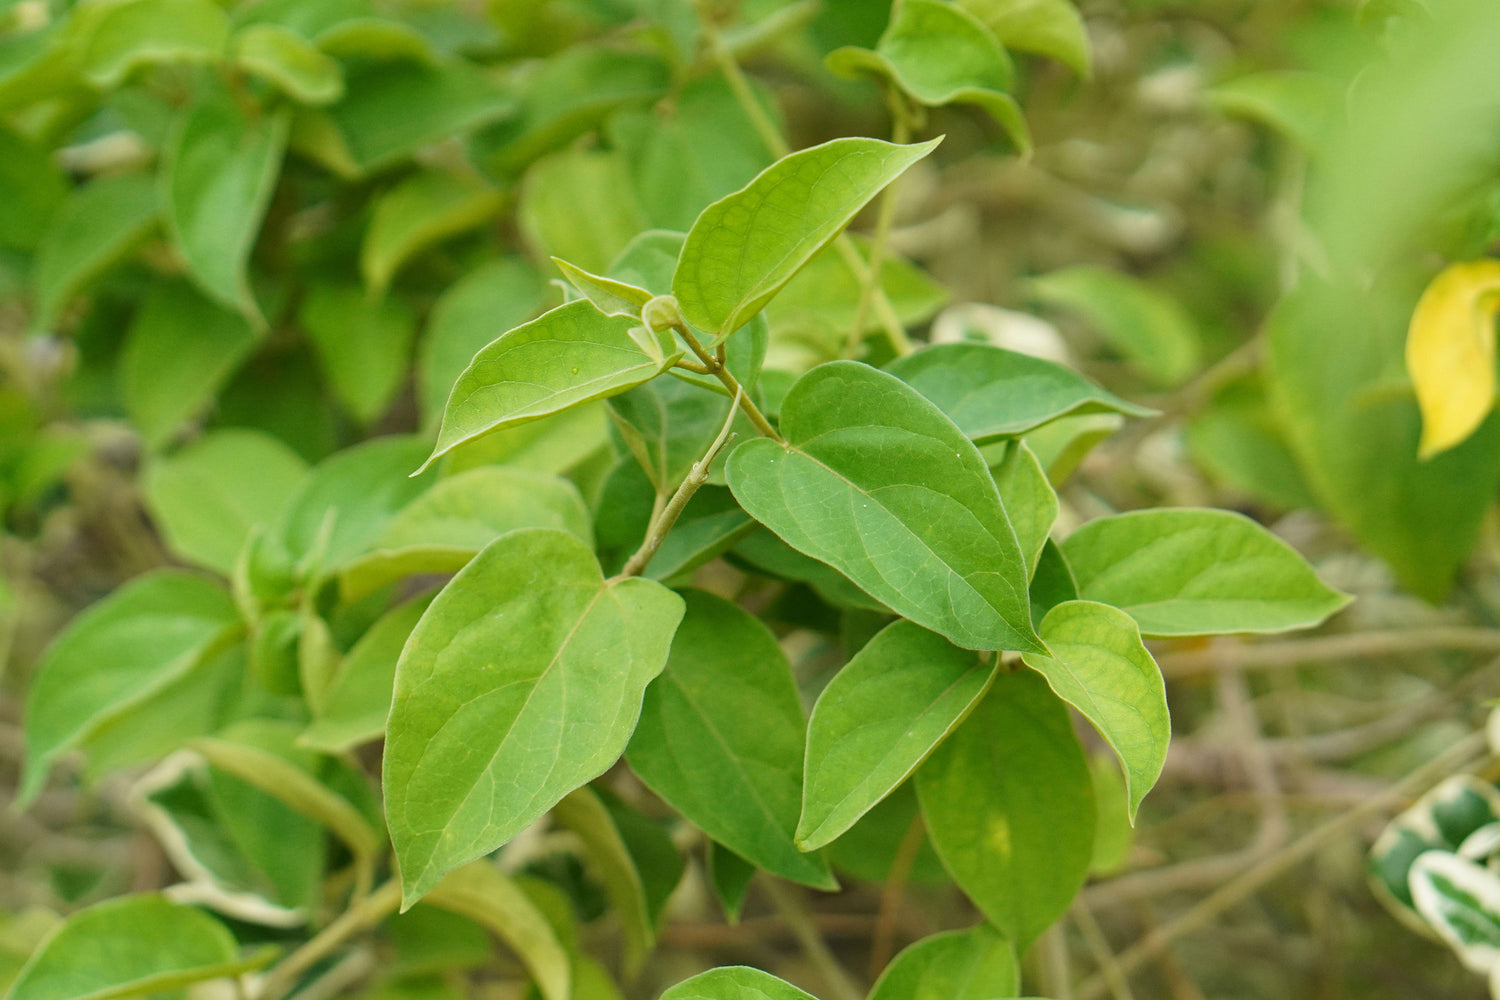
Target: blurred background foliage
[[302, 217]]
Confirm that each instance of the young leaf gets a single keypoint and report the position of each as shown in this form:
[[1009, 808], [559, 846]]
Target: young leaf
[[1145, 325], [1460, 899], [1188, 571], [852, 487], [479, 746], [207, 497], [1450, 352], [116, 39], [1010, 807], [423, 209], [118, 653], [94, 227], [938, 53], [735, 982], [993, 393], [744, 247], [975, 964], [880, 717], [1048, 27], [611, 297], [289, 62], [1100, 667], [478, 891], [571, 355], [219, 170], [583, 812], [1029, 500], [130, 946], [362, 343], [721, 738]]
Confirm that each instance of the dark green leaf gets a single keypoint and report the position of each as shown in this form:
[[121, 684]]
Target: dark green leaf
[[96, 226], [34, 188], [975, 964], [585, 813]]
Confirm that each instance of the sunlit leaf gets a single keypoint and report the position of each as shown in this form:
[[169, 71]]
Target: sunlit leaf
[[1450, 352]]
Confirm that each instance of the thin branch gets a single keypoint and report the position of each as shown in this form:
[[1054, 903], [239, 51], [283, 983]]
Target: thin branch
[[1104, 955], [1296, 652], [884, 942], [360, 917], [715, 367]]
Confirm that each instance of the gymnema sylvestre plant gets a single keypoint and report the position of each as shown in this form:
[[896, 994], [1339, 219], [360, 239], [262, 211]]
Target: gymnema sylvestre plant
[[901, 499]]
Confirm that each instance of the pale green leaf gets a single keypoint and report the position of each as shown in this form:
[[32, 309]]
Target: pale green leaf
[[1010, 808], [876, 482], [479, 745], [1303, 106], [973, 964], [219, 170], [583, 812], [993, 393], [363, 344], [96, 226], [1100, 666], [119, 652], [1460, 899], [721, 739], [1193, 571], [611, 297], [879, 718], [289, 62], [115, 39], [130, 946], [577, 204], [481, 893], [735, 982], [207, 497], [1113, 828], [744, 247], [1047, 27], [938, 53], [1145, 325], [571, 355], [422, 210], [1029, 500]]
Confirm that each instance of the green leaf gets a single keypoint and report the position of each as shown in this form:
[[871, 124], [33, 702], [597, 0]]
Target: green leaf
[[584, 812], [362, 343], [376, 38], [577, 204], [207, 497], [1146, 326], [1191, 571], [477, 748], [770, 556], [131, 946], [1303, 106], [117, 39], [938, 53], [735, 982], [1100, 666], [879, 718], [445, 527], [710, 525], [974, 964], [857, 486], [119, 652], [1238, 440], [657, 859], [219, 170], [730, 876], [428, 940], [423, 209], [288, 62], [1062, 445], [1460, 899], [34, 187], [494, 297], [993, 393], [1029, 500], [744, 247], [1010, 808], [571, 355], [478, 891], [1113, 828], [357, 700], [721, 738], [611, 297], [96, 226], [179, 351], [1047, 27]]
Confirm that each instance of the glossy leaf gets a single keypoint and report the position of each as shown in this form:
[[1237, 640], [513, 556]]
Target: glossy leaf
[[119, 38], [993, 393], [219, 170], [130, 946], [1460, 899], [744, 247], [423, 209], [362, 343], [583, 812], [973, 964], [852, 487], [1030, 502], [1145, 325], [938, 53], [290, 63], [1450, 353], [721, 738], [1100, 666], [477, 748], [480, 892], [96, 226], [1010, 808], [735, 982], [119, 652], [1047, 27], [1194, 571], [178, 353], [571, 355], [879, 718]]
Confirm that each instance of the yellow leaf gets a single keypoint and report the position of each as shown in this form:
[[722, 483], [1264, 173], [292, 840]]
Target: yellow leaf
[[1450, 353]]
